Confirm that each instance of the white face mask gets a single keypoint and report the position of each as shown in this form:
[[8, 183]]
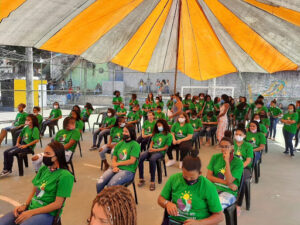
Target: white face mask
[[181, 120], [109, 114], [122, 125], [239, 138], [56, 107], [257, 121]]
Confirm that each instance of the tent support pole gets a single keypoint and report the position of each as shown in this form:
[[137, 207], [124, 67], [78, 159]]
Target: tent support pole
[[177, 50]]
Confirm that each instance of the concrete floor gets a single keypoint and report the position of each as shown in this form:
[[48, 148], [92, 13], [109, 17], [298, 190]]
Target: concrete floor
[[275, 200]]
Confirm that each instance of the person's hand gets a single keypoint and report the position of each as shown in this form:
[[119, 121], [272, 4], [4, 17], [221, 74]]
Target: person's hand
[[233, 187], [178, 141], [100, 149], [19, 209], [24, 216], [226, 156], [174, 142], [192, 222], [151, 150], [114, 164], [172, 209], [115, 169], [22, 146], [18, 144]]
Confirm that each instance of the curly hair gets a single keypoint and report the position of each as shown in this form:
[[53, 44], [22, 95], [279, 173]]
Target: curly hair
[[118, 205]]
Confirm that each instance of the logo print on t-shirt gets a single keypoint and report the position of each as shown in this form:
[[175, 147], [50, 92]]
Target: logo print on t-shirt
[[41, 190], [184, 203], [221, 173], [149, 129], [123, 155], [179, 133], [26, 136], [63, 138], [118, 136]]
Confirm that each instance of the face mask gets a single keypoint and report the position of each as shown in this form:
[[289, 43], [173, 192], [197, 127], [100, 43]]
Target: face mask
[[191, 182], [56, 107], [181, 120], [122, 107], [291, 110], [222, 101], [122, 125], [47, 161], [125, 137], [160, 129], [194, 118], [27, 122], [197, 101], [257, 121], [239, 138], [174, 100], [109, 114], [253, 131], [201, 97]]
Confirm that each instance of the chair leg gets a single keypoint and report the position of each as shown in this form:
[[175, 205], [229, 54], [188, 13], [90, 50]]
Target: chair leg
[[247, 194], [25, 158], [41, 142], [6, 139], [101, 165], [164, 162], [231, 215], [134, 190], [89, 125], [256, 173], [20, 164], [159, 171], [73, 171]]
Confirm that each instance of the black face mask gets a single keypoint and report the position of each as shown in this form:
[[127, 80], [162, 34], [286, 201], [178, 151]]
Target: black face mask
[[125, 137], [191, 182], [47, 161]]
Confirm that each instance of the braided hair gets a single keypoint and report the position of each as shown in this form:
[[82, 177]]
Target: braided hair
[[118, 205]]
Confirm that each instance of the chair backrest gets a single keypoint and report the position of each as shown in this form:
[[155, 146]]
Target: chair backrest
[[57, 220]]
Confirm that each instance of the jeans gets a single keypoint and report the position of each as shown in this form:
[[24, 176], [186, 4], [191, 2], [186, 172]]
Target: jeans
[[195, 136], [208, 131], [297, 138], [9, 156], [184, 148], [40, 219], [288, 139], [226, 199], [44, 125], [99, 135], [153, 157], [273, 126], [247, 176], [144, 142], [257, 157], [9, 128], [110, 178], [104, 151]]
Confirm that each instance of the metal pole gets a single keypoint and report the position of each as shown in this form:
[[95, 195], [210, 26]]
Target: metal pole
[[29, 80], [42, 88], [85, 78], [214, 87]]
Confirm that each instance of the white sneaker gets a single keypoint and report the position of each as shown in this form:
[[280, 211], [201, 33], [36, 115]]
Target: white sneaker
[[180, 165], [170, 162]]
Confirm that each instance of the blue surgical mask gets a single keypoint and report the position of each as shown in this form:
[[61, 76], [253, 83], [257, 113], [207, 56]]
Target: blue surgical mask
[[174, 100], [222, 101], [160, 129]]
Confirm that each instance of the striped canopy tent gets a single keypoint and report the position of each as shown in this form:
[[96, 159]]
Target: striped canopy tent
[[203, 39]]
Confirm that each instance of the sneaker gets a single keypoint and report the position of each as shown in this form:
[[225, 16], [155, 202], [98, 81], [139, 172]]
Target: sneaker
[[170, 162], [285, 152], [273, 139], [94, 147], [5, 173], [180, 165], [292, 156]]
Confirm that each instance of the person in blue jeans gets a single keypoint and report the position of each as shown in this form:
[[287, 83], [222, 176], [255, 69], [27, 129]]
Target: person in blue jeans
[[275, 113], [51, 186], [124, 162], [161, 140]]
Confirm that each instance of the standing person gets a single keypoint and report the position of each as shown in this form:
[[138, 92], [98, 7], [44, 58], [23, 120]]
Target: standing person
[[62, 84], [26, 142], [150, 98], [167, 87], [161, 140], [217, 105], [225, 171], [109, 205], [122, 111], [298, 123], [51, 186], [147, 131], [117, 100], [53, 118], [141, 86], [186, 102], [16, 125], [124, 162], [157, 84], [108, 123], [275, 113], [222, 117], [240, 112], [208, 105], [133, 101], [182, 132], [177, 107], [189, 198], [36, 110], [197, 125], [289, 130]]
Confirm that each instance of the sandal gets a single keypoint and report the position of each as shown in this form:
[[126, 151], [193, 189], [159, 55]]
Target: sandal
[[141, 183], [152, 187]]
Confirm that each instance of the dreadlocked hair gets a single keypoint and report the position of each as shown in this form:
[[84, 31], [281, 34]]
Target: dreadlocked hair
[[118, 205]]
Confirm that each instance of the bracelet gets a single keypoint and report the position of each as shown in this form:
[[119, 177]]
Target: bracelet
[[165, 203]]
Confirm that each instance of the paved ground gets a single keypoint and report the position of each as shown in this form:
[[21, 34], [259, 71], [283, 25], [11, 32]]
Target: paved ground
[[275, 200]]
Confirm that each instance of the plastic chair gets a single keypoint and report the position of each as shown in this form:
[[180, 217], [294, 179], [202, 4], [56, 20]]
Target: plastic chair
[[70, 162], [52, 127], [134, 188], [87, 121], [22, 157], [257, 168], [100, 119]]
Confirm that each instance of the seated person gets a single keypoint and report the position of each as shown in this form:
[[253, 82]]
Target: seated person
[[86, 112], [225, 171], [256, 138], [77, 108], [104, 129], [196, 124], [190, 198], [182, 132], [155, 104], [36, 111], [79, 123], [69, 136], [124, 163], [53, 118], [116, 135], [122, 111], [264, 119], [52, 184], [146, 108], [159, 114], [16, 125], [133, 117], [244, 151], [147, 131], [139, 111], [133, 101], [26, 142], [262, 127], [161, 140], [115, 198], [209, 129]]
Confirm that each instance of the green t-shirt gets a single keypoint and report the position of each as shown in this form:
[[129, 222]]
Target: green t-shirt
[[170, 121], [84, 113], [201, 103], [135, 102], [240, 114], [49, 185], [217, 105], [79, 125], [197, 201], [275, 111], [116, 134], [65, 136], [29, 135], [257, 111], [161, 104], [170, 104], [218, 165], [196, 123], [160, 115], [124, 111], [117, 100], [40, 119], [298, 111], [139, 113], [153, 106], [160, 140], [148, 127], [209, 106], [291, 128], [55, 113], [256, 139], [197, 107], [186, 102], [20, 118], [212, 119], [146, 106], [109, 121], [132, 116], [244, 151], [124, 150], [266, 122], [181, 132]]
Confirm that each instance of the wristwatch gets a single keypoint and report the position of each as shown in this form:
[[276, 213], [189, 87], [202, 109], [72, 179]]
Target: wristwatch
[[165, 203]]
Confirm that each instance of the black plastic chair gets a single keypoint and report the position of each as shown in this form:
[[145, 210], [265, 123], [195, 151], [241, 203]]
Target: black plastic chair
[[23, 157], [70, 162], [14, 135], [134, 189], [256, 168], [52, 127]]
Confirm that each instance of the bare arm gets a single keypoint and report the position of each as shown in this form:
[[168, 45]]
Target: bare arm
[[127, 162], [214, 179], [69, 144], [247, 162], [260, 148]]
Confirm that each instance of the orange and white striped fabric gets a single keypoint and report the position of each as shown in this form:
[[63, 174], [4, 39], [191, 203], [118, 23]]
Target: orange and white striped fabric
[[210, 38]]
